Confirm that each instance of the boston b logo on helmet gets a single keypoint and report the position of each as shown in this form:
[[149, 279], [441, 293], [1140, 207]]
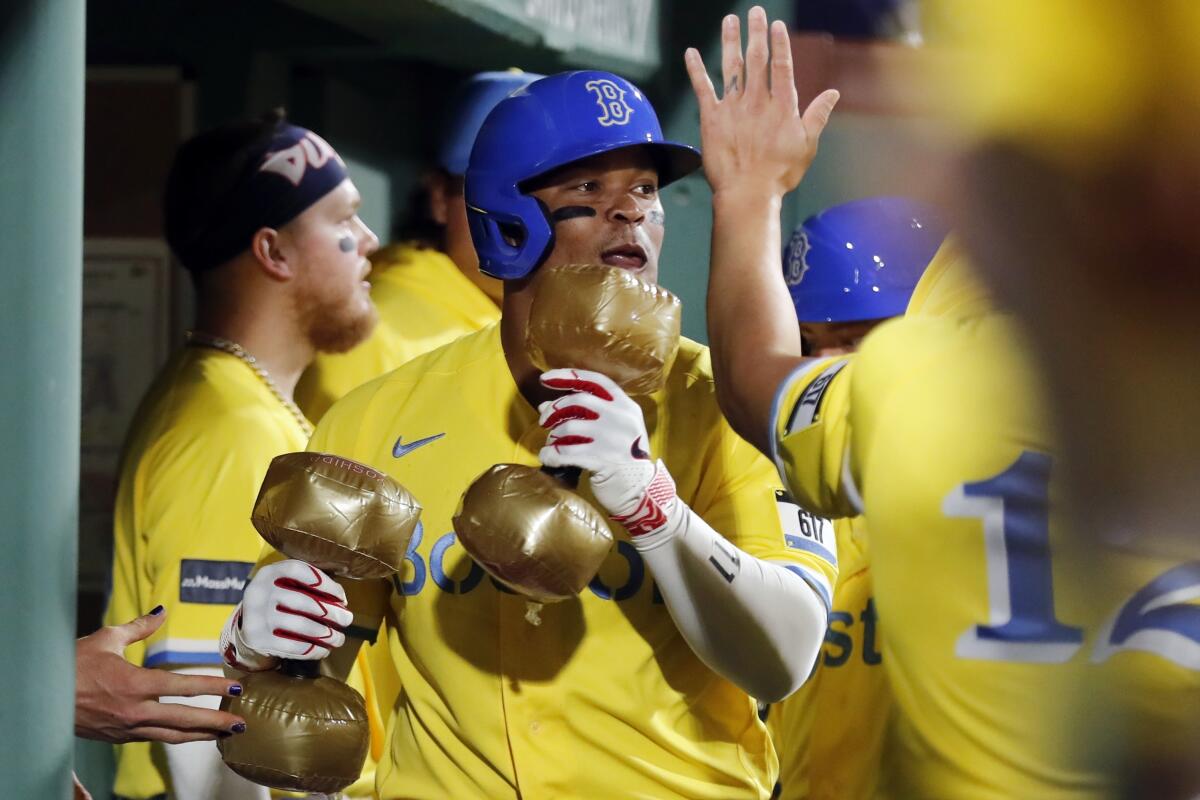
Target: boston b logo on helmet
[[546, 125], [611, 99]]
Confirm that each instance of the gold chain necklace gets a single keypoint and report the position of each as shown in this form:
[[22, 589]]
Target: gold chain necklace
[[199, 339]]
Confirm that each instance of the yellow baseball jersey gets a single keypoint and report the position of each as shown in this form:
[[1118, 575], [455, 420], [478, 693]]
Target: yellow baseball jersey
[[829, 735], [424, 302], [1015, 657], [193, 462], [603, 698]]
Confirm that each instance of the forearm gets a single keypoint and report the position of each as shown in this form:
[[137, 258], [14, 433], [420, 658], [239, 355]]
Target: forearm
[[752, 328], [756, 623]]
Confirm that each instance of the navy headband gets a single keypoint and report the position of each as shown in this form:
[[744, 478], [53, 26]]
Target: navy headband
[[294, 169]]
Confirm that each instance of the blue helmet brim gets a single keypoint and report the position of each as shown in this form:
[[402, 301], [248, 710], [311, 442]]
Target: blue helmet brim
[[673, 160]]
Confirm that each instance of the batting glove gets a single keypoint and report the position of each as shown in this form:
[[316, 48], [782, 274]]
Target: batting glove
[[597, 427], [290, 609]]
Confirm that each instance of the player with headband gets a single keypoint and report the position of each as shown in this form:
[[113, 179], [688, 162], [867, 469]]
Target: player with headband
[[265, 219], [645, 685], [426, 283]]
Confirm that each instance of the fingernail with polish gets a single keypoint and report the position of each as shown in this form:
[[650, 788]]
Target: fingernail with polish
[[236, 690], [154, 612], [239, 727]]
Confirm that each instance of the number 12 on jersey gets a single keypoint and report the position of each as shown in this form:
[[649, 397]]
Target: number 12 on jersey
[[1014, 509]]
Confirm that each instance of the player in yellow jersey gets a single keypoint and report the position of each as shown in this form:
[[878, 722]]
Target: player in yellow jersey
[[848, 269], [1018, 654], [264, 217], [427, 286], [644, 686]]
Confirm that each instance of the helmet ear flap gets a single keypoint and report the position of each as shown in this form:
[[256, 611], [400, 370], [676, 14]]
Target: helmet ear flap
[[511, 245]]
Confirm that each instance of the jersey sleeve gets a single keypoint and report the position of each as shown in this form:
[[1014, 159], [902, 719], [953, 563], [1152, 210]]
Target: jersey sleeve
[[741, 498], [810, 429], [196, 491]]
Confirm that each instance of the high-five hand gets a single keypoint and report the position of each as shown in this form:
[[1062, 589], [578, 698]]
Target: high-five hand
[[757, 147], [754, 136]]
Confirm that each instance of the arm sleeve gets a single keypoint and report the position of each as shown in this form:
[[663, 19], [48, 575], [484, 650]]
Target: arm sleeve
[[196, 769], [747, 586], [759, 624]]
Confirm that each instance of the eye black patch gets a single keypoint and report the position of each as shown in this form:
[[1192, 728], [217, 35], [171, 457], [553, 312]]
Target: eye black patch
[[346, 244], [571, 212]]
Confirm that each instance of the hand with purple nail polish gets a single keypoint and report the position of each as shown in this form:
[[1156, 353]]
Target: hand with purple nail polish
[[118, 702]]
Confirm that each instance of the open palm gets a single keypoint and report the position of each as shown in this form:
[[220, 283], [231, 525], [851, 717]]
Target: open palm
[[754, 136]]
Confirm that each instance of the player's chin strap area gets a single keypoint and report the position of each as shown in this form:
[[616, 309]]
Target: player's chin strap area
[[755, 622]]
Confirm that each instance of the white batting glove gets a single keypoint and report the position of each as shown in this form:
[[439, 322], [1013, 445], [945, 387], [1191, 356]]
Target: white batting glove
[[290, 609], [598, 427]]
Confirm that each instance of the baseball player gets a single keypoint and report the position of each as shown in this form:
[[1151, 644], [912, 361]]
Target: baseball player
[[1014, 670], [431, 293], [644, 686], [848, 268], [264, 218]]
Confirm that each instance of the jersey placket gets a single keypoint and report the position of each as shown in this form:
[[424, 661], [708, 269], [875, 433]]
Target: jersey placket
[[531, 715]]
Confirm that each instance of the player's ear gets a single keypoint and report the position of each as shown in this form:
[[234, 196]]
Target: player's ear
[[273, 258]]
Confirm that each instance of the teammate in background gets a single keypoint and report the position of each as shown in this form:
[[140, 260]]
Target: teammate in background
[[849, 268], [265, 220], [427, 286], [1024, 662], [644, 685], [855, 265]]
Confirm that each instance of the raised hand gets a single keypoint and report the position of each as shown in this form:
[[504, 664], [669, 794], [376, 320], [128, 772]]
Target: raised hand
[[754, 137]]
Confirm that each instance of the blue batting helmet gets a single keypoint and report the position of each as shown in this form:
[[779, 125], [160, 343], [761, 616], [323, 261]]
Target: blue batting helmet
[[548, 124], [473, 100], [861, 260]]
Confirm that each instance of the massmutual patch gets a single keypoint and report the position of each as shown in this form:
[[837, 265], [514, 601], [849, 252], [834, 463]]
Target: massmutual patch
[[213, 582]]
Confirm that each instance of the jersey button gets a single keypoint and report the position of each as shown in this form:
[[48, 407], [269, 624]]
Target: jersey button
[[535, 726]]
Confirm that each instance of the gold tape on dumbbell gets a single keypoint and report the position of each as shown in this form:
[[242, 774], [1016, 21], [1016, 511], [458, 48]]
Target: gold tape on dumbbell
[[604, 319], [302, 734], [531, 533], [341, 516]]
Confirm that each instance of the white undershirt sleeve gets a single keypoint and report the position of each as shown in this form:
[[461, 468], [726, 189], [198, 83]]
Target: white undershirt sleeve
[[755, 622], [196, 769]]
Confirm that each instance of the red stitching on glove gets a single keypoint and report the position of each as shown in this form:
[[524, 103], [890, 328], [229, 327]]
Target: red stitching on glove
[[578, 384], [567, 414], [310, 589], [311, 641], [567, 441], [323, 619]]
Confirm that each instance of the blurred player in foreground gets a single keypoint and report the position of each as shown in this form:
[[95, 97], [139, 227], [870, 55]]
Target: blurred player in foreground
[[431, 292], [1022, 659], [1086, 212], [264, 217], [848, 268], [645, 684]]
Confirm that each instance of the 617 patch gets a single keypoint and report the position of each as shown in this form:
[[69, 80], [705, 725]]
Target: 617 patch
[[805, 531]]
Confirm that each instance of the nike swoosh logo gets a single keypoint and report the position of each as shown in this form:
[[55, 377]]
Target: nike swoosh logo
[[637, 452], [400, 449]]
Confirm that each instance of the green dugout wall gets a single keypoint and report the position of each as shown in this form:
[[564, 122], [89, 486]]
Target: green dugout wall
[[41, 207]]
